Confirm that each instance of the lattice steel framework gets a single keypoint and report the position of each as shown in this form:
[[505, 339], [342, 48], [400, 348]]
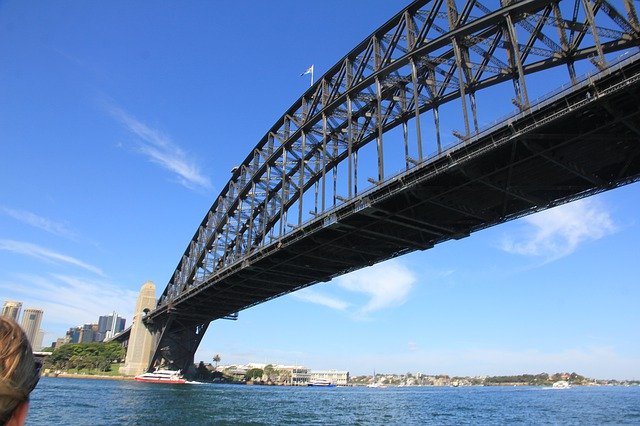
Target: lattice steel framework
[[427, 55], [430, 55]]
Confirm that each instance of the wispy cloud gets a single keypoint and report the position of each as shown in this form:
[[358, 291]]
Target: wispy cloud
[[43, 223], [558, 232], [42, 253], [386, 284], [159, 149], [69, 301], [313, 296]]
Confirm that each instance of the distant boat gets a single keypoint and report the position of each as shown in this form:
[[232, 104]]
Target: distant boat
[[375, 384], [561, 384], [161, 376], [321, 383]]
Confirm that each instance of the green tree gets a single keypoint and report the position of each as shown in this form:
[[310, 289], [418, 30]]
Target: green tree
[[270, 372], [216, 359], [94, 356], [254, 373]]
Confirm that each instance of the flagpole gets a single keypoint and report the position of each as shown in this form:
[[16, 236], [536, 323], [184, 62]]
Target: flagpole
[[311, 75]]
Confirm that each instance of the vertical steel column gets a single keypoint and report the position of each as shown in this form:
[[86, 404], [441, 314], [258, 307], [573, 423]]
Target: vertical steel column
[[283, 190], [324, 161], [594, 32], [251, 220], [452, 15], [405, 127], [316, 184], [379, 125], [564, 42], [514, 54], [238, 218], [265, 208], [335, 170], [225, 250], [349, 148], [301, 177], [632, 15], [416, 105]]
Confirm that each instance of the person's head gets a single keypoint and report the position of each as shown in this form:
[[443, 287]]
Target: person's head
[[19, 373]]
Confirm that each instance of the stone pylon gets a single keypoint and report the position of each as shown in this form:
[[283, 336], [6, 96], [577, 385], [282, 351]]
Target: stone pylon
[[140, 346]]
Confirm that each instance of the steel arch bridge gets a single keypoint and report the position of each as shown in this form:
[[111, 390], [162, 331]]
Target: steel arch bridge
[[359, 168]]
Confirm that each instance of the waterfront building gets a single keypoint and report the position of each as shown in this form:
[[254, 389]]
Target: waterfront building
[[11, 309], [31, 320], [294, 375], [299, 376], [340, 378]]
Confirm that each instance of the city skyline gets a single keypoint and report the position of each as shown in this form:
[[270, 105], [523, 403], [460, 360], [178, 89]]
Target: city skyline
[[121, 124]]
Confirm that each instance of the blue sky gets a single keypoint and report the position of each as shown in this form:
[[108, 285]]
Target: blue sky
[[119, 125]]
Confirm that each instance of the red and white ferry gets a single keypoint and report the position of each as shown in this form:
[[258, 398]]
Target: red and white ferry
[[161, 376]]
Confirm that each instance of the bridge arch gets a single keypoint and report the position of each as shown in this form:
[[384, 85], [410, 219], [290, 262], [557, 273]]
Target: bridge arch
[[429, 56]]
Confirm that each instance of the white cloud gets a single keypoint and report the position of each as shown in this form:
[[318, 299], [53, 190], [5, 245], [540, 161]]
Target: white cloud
[[558, 232], [313, 296], [42, 253], [387, 284], [69, 301], [43, 223], [159, 149]]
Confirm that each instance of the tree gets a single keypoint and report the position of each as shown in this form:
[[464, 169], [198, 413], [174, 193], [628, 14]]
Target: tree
[[216, 359], [95, 355], [254, 373], [269, 371]]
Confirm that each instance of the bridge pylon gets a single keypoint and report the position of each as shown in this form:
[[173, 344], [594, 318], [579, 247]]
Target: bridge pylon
[[141, 341], [176, 340]]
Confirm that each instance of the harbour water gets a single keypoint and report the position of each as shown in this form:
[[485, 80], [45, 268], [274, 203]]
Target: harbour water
[[106, 402]]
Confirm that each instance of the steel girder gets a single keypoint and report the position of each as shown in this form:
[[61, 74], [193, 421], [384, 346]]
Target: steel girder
[[429, 54], [580, 141]]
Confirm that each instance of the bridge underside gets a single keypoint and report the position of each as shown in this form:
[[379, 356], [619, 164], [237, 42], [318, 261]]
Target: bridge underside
[[569, 148]]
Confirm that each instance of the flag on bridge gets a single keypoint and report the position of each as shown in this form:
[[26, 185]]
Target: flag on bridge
[[309, 71]]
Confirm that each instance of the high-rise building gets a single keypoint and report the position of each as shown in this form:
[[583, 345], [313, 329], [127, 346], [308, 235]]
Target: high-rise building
[[109, 326], [37, 343], [11, 309], [88, 333], [73, 335], [31, 319]]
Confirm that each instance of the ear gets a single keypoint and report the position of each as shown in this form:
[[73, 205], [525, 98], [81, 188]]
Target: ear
[[19, 415]]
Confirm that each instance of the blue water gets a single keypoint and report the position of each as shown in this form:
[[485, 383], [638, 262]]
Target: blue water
[[104, 402]]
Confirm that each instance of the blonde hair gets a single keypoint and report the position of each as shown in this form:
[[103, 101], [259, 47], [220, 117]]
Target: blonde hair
[[18, 371]]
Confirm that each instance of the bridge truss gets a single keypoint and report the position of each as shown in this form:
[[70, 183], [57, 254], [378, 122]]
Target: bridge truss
[[384, 104]]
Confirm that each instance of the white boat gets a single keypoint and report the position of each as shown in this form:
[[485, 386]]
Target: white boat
[[161, 376], [324, 383], [561, 384], [375, 383]]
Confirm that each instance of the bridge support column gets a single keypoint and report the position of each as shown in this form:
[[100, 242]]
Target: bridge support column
[[140, 346], [176, 343]]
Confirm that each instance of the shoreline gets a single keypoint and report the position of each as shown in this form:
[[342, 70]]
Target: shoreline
[[86, 376]]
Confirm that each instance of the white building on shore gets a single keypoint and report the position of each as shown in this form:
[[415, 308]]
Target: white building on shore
[[339, 378]]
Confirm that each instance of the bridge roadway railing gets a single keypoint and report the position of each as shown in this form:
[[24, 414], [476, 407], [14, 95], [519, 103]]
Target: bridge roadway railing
[[492, 136]]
